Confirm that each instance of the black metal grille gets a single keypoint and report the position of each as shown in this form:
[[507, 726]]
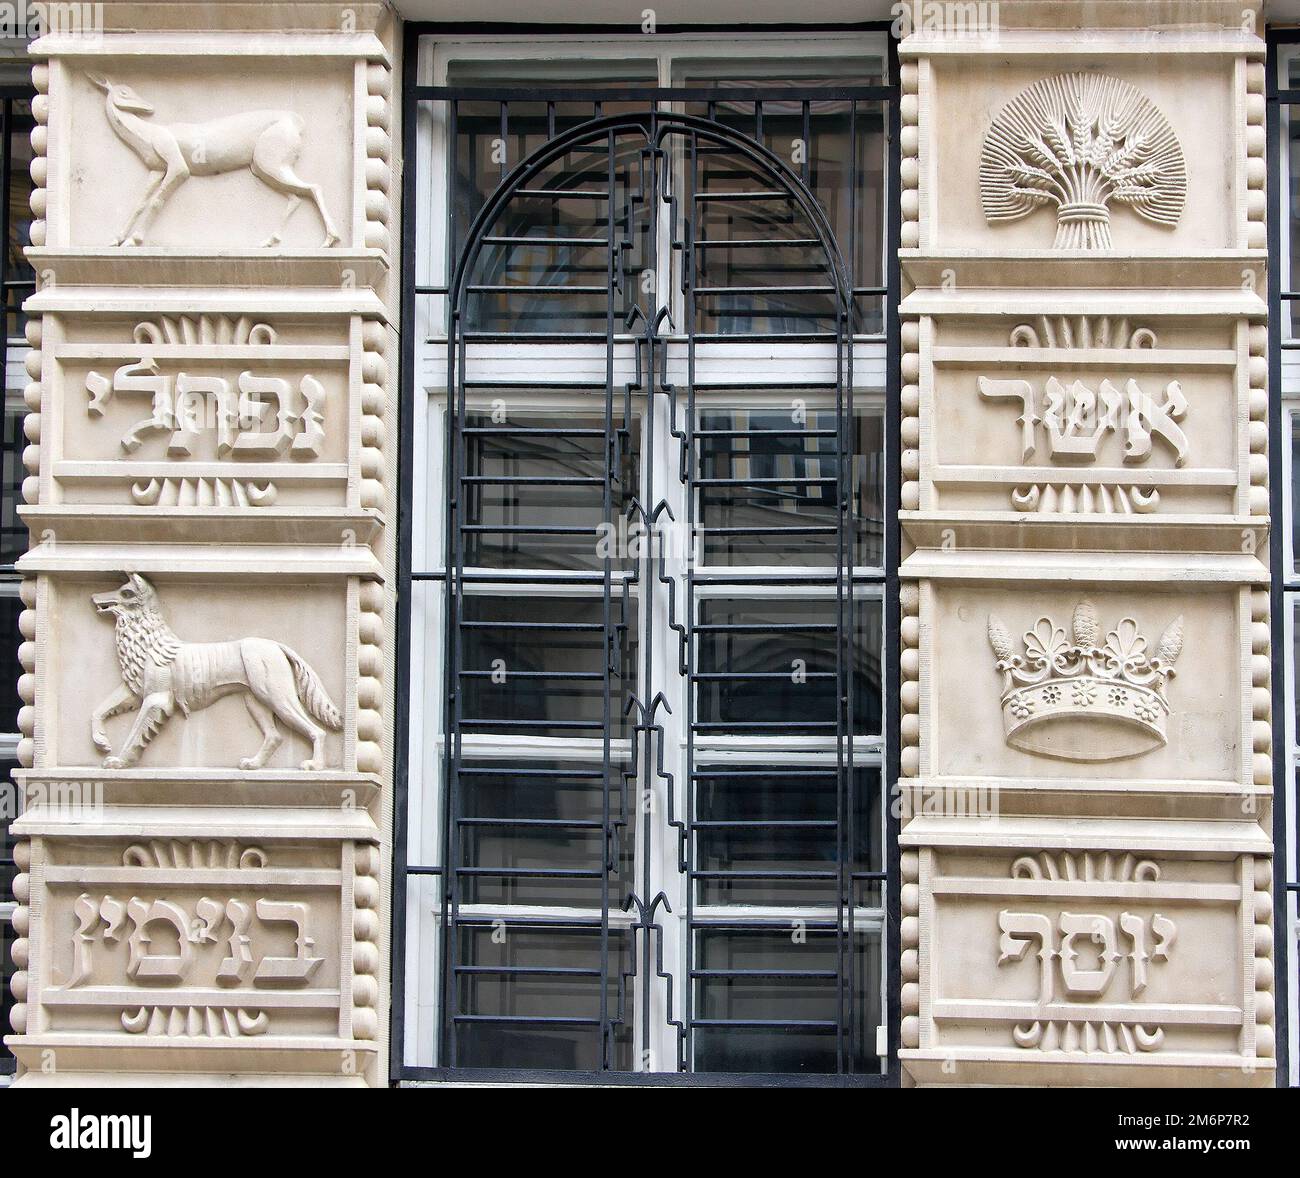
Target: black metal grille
[[548, 636]]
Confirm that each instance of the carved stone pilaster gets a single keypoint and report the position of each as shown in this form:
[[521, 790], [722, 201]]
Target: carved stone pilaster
[[202, 890], [1086, 894]]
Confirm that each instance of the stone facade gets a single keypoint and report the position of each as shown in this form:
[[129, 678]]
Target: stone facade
[[1085, 600], [1085, 629], [213, 373]]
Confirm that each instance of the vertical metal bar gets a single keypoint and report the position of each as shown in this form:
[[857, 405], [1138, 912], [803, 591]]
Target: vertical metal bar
[[610, 636], [690, 233], [893, 547], [446, 1027], [805, 171], [402, 636], [843, 673], [1277, 208], [849, 841]]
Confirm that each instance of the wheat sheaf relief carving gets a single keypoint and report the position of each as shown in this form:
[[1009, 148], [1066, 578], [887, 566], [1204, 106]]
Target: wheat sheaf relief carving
[[1082, 142]]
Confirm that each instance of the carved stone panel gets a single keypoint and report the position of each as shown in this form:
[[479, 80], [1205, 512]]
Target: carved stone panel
[[265, 425], [159, 673], [1036, 956], [1082, 153], [178, 950], [1141, 683], [1078, 417], [183, 142]]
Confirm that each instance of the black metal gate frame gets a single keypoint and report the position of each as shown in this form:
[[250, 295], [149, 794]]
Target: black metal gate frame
[[655, 124], [1282, 590]]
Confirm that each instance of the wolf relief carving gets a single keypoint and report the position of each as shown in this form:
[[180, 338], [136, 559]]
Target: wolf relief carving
[[161, 673]]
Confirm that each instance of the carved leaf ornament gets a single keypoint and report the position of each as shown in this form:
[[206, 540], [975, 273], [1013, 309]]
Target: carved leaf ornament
[[1081, 142]]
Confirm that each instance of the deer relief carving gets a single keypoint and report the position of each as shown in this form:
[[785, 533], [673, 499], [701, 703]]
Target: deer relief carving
[[266, 142]]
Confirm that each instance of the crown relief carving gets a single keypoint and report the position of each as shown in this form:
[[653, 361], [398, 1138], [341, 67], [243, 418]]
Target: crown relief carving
[[265, 142], [1080, 142], [1085, 697]]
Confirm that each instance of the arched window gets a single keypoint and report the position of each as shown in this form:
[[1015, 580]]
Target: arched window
[[646, 827]]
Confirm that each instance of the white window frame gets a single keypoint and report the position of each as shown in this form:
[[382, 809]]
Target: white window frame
[[747, 366]]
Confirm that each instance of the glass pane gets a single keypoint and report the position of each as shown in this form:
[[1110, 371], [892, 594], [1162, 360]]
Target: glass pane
[[534, 473], [18, 275], [773, 836], [10, 668], [842, 161], [768, 481], [529, 996], [769, 667], [1295, 493], [557, 280], [541, 825], [536, 664], [484, 156], [13, 532], [769, 1000]]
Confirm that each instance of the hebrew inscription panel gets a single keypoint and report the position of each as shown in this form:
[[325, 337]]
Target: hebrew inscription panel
[[1085, 416], [225, 939], [224, 411], [1098, 955]]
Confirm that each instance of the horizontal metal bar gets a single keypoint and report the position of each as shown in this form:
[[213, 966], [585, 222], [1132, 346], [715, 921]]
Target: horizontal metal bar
[[778, 771], [811, 974], [509, 625], [542, 823], [760, 628], [776, 480], [729, 676], [519, 920], [530, 970], [533, 288], [811, 530], [762, 290], [741, 726], [504, 240], [526, 530], [564, 193], [528, 480], [531, 872], [794, 433], [756, 242], [764, 1024], [530, 431], [516, 771], [746, 194], [541, 1020], [880, 93], [571, 725], [764, 824], [810, 876], [578, 675]]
